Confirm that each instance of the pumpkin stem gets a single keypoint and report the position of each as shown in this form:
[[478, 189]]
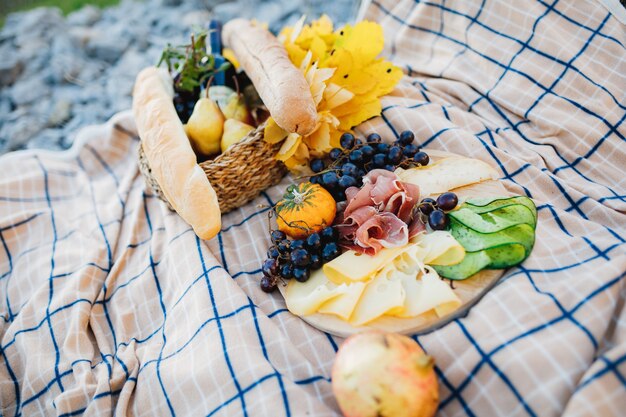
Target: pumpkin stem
[[298, 198]]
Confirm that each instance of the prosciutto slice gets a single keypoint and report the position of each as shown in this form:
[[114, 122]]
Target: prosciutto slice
[[378, 214]]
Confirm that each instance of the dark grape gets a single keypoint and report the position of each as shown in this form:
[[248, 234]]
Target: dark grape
[[300, 257], [329, 179], [374, 138], [410, 150], [330, 251], [268, 284], [390, 168], [356, 156], [316, 261], [301, 274], [438, 220], [284, 246], [427, 206], [314, 242], [339, 195], [447, 201], [406, 137], [421, 158], [347, 181], [315, 179], [394, 156], [379, 160], [349, 169], [270, 267], [358, 142], [297, 244], [335, 153], [368, 152], [329, 234], [273, 252], [277, 236], [286, 271], [382, 148], [317, 165], [347, 141]]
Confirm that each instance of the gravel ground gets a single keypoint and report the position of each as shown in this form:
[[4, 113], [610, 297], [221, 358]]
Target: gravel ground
[[59, 73]]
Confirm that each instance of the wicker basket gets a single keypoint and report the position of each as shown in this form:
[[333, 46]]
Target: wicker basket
[[237, 175]]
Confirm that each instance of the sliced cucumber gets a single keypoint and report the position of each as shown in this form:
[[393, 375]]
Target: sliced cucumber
[[474, 241], [495, 220], [498, 257], [485, 204]]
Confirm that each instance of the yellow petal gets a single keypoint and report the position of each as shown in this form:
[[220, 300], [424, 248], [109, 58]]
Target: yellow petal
[[289, 147], [335, 96], [320, 139], [273, 133]]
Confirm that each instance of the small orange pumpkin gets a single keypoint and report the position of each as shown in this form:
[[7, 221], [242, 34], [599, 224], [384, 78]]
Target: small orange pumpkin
[[306, 208]]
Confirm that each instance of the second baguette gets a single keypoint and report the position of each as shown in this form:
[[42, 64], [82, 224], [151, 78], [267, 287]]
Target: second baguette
[[281, 85]]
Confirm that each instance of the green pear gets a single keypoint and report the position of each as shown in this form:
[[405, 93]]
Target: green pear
[[234, 131], [236, 108], [205, 127]]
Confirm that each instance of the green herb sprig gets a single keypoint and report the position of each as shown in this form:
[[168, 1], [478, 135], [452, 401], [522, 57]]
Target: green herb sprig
[[191, 65]]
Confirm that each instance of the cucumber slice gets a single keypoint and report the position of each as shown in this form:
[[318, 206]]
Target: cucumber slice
[[485, 204], [474, 241], [495, 220], [498, 257]]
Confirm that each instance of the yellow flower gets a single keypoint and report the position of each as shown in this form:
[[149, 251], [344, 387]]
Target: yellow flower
[[346, 79]]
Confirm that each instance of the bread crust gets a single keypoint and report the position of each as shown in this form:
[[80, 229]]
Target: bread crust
[[281, 85], [172, 160]]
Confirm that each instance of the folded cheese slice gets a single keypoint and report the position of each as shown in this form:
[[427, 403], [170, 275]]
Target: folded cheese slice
[[352, 266]]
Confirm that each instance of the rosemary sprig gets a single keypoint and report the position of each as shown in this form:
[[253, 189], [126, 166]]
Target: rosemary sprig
[[190, 65]]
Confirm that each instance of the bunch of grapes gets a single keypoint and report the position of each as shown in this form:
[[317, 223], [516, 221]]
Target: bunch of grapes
[[435, 210], [346, 166], [297, 258]]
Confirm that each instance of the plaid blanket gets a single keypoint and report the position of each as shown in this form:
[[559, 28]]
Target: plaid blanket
[[109, 304]]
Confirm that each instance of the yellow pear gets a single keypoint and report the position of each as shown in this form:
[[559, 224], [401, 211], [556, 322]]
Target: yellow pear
[[235, 108], [234, 131], [205, 127]]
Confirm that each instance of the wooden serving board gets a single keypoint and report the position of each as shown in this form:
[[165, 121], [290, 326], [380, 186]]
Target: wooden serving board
[[470, 290]]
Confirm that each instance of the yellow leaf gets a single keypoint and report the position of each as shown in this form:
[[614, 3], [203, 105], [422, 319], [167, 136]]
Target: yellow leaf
[[289, 147], [323, 25], [316, 79], [335, 96], [273, 133], [318, 48], [386, 74], [319, 140], [365, 41], [296, 54], [230, 55], [365, 112]]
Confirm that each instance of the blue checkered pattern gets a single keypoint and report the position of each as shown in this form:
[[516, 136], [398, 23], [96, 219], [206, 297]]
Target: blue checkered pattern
[[110, 304]]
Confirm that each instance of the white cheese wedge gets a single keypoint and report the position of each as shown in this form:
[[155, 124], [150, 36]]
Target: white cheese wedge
[[426, 294], [352, 266], [343, 305], [381, 296], [304, 298], [448, 174], [439, 248]]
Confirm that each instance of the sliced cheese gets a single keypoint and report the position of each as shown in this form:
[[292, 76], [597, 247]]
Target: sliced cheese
[[304, 298], [440, 248], [343, 305], [426, 294], [381, 296], [448, 174], [352, 266]]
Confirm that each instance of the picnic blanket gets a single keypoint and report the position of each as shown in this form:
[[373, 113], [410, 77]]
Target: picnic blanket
[[109, 304]]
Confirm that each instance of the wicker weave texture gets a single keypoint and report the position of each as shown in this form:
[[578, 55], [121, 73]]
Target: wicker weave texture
[[237, 175]]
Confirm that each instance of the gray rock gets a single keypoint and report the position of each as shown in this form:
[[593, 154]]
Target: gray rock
[[60, 113], [46, 139], [10, 69], [28, 90], [107, 45], [21, 131], [86, 16], [196, 18]]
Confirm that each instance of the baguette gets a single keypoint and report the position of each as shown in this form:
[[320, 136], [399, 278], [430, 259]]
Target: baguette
[[172, 161], [281, 85]]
